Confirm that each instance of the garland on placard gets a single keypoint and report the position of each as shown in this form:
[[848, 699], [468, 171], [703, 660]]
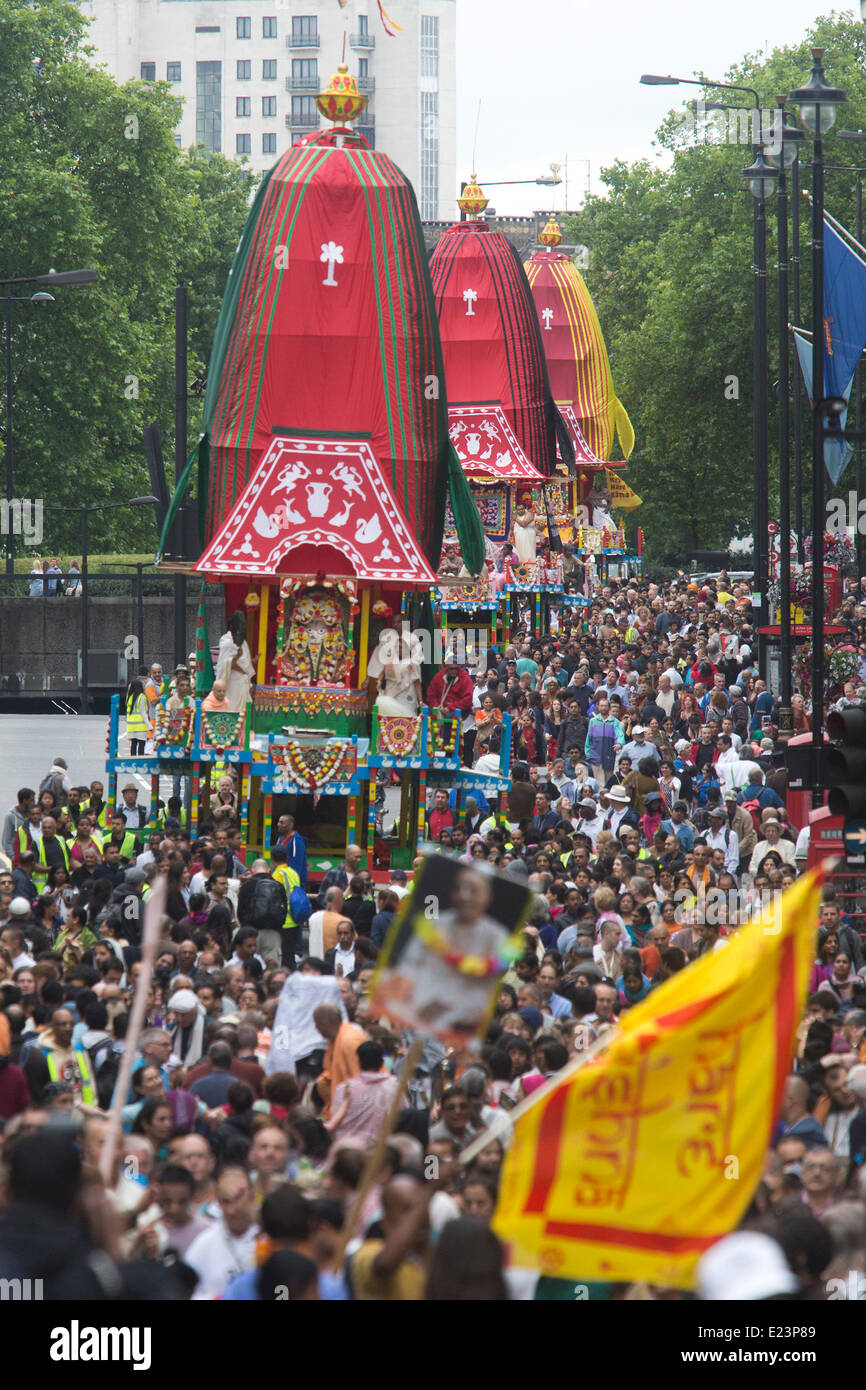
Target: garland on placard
[[435, 744], [222, 729], [398, 734], [314, 765], [174, 727], [312, 701], [480, 967], [466, 593]]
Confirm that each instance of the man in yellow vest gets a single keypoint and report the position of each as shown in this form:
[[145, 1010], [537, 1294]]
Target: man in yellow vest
[[125, 840], [51, 853], [96, 807], [55, 1058], [280, 870]]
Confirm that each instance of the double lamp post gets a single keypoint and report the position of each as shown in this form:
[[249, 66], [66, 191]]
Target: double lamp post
[[817, 103]]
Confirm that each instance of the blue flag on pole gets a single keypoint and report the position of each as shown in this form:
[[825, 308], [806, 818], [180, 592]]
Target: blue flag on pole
[[844, 312], [837, 452]]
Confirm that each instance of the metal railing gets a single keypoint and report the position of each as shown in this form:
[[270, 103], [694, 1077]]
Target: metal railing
[[302, 41], [363, 40], [302, 84], [309, 121], [366, 84]]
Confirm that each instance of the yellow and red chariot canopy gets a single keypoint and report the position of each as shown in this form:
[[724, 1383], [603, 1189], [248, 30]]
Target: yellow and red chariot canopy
[[577, 360], [503, 420]]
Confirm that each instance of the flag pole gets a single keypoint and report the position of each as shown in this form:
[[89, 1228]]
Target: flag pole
[[377, 1153], [495, 1130], [150, 936]]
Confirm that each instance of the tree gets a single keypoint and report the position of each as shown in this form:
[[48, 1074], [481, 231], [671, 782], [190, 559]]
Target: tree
[[90, 176], [671, 276]]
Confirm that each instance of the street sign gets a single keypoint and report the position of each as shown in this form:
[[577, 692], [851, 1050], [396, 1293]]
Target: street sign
[[855, 841]]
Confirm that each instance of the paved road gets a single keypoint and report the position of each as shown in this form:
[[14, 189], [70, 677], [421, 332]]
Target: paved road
[[29, 743]]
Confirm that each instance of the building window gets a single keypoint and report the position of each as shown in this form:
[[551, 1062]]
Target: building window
[[177, 138], [269, 144], [304, 112], [243, 106], [172, 72], [244, 69], [429, 45], [207, 29], [363, 69], [269, 69], [305, 29], [148, 72], [243, 28], [429, 190], [362, 26], [269, 106], [208, 105], [269, 27], [243, 144], [305, 73]]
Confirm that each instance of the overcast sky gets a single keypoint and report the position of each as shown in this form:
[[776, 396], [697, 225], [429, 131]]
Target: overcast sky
[[561, 77]]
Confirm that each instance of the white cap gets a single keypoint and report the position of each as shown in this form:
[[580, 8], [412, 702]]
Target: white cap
[[857, 1081], [19, 907], [746, 1266], [183, 1001], [638, 729]]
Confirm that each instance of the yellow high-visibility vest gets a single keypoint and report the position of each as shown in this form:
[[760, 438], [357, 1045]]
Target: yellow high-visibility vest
[[82, 1061]]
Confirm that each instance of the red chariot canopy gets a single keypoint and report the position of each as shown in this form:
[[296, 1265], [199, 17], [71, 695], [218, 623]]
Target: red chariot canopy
[[491, 343], [487, 446], [308, 491]]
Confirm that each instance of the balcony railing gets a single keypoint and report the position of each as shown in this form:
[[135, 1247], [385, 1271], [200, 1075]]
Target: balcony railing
[[363, 40], [302, 41], [302, 84], [366, 84], [309, 121]]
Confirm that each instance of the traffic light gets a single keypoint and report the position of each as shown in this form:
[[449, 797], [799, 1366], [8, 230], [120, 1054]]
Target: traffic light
[[845, 763]]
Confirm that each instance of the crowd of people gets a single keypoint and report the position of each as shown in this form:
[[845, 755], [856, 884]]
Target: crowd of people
[[646, 815]]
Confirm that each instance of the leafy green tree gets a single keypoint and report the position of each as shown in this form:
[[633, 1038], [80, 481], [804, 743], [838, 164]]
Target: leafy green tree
[[671, 276], [90, 176]]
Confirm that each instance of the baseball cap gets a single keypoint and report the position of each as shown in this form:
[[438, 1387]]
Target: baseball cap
[[731, 795], [716, 813], [134, 877], [747, 1265], [638, 729], [772, 820], [588, 802]]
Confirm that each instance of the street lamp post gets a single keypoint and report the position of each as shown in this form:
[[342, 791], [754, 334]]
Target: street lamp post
[[860, 137], [759, 175], [41, 297], [817, 102], [782, 153]]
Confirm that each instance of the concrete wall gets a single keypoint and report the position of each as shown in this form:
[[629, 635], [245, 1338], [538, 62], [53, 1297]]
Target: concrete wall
[[40, 639]]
